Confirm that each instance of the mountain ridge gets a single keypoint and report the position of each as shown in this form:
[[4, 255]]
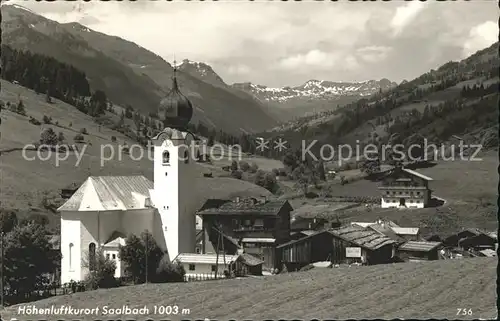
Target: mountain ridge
[[129, 73]]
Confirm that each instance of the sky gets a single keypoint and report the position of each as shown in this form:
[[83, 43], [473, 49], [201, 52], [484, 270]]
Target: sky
[[287, 43]]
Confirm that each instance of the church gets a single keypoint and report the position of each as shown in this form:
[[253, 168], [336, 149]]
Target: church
[[106, 209]]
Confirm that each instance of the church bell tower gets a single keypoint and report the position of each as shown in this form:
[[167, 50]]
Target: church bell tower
[[174, 194]]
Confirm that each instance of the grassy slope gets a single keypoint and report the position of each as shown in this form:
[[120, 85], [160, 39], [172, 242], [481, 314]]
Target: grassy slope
[[406, 290], [23, 181]]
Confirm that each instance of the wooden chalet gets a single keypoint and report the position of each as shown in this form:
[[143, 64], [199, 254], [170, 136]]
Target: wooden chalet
[[402, 187], [342, 245], [419, 251], [255, 225]]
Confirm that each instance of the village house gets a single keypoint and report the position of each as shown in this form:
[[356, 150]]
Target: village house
[[205, 266], [106, 208], [414, 251], [211, 266], [347, 244], [255, 225], [405, 188]]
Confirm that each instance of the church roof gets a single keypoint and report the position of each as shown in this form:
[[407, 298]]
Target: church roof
[[108, 193]]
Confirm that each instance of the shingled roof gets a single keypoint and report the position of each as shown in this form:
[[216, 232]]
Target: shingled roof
[[363, 237], [249, 206]]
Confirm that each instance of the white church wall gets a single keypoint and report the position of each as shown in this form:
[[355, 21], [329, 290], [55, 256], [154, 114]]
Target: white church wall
[[70, 247], [138, 221]]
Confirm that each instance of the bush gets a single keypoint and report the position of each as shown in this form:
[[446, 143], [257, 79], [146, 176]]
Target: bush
[[169, 272], [46, 119], [34, 121], [61, 137], [237, 174], [253, 168], [84, 131], [244, 166], [79, 138], [276, 172], [113, 139]]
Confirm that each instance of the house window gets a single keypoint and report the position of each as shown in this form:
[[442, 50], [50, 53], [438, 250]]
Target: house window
[[248, 223], [198, 251], [388, 193], [186, 157], [191, 267], [214, 268], [418, 193], [70, 254], [236, 223], [107, 256], [114, 256], [166, 158], [92, 261], [259, 222]]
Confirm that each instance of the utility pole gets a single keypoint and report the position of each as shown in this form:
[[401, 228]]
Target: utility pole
[[1, 268], [146, 250]]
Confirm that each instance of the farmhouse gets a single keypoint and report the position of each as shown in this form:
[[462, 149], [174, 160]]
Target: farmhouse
[[419, 251], [256, 226], [106, 208], [405, 188], [341, 245], [206, 266]]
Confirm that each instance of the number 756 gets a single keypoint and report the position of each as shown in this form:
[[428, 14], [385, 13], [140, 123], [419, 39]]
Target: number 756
[[464, 311]]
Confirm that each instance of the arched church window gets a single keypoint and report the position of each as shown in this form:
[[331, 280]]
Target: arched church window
[[186, 157], [92, 258], [166, 157], [70, 254]]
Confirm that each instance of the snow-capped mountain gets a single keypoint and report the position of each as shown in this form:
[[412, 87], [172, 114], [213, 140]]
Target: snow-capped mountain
[[317, 89]]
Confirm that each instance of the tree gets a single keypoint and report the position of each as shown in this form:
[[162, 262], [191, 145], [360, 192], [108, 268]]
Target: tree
[[102, 274], [211, 140], [169, 272], [8, 220], [234, 166], [244, 166], [321, 170], [133, 254], [253, 168], [38, 219], [61, 138], [266, 180], [20, 108], [304, 177], [29, 257], [48, 137]]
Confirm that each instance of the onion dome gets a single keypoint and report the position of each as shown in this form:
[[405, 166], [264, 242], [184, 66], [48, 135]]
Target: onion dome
[[175, 109]]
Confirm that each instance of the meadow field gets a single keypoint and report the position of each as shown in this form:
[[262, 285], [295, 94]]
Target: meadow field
[[424, 290]]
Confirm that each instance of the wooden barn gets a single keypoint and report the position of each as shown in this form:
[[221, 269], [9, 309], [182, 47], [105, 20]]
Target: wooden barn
[[419, 251], [478, 242], [453, 240], [298, 253], [342, 245]]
